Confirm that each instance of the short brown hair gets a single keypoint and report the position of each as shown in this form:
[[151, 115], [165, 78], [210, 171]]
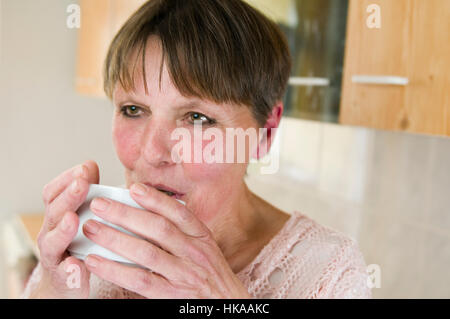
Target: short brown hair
[[221, 50]]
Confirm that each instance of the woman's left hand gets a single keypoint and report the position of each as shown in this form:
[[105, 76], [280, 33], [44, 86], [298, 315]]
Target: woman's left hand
[[184, 258]]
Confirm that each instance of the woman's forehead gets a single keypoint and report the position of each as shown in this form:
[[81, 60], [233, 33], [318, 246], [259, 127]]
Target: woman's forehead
[[150, 69], [160, 86], [149, 80]]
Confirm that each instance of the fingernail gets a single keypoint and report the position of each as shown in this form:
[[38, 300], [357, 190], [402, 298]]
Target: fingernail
[[139, 189], [100, 204], [80, 171], [75, 187], [92, 261], [91, 227]]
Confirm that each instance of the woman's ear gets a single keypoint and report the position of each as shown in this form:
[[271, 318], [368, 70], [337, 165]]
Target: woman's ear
[[272, 123]]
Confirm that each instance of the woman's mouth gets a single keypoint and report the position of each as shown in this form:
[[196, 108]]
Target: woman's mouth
[[174, 195], [167, 190]]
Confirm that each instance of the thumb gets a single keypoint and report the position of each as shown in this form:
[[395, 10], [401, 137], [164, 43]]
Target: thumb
[[93, 172]]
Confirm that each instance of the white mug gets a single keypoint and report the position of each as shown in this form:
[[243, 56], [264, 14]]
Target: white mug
[[81, 246]]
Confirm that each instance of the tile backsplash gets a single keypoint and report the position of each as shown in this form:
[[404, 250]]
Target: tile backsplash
[[388, 190]]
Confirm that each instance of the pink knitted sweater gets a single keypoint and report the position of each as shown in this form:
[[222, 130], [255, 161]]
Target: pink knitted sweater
[[304, 260]]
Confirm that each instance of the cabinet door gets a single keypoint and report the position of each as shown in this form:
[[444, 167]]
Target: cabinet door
[[427, 99], [100, 20], [93, 39], [412, 43], [375, 52], [121, 10]]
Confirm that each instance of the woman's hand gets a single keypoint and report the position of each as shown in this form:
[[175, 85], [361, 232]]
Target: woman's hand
[[184, 259], [62, 197]]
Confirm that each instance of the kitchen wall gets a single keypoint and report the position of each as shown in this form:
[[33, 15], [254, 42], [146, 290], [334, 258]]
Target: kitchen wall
[[389, 191], [45, 126]]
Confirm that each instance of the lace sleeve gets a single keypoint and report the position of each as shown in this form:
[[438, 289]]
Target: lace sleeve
[[33, 282], [351, 276]]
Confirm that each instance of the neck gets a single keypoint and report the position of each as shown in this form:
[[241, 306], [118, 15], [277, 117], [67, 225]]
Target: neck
[[238, 226]]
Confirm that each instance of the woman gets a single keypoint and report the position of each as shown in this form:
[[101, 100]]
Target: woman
[[176, 64]]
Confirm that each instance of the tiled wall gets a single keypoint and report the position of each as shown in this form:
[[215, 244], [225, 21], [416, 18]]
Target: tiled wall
[[388, 190]]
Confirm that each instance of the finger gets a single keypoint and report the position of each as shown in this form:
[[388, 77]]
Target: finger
[[134, 249], [155, 201], [73, 276], [88, 170], [153, 227], [53, 244], [69, 200], [67, 266], [138, 280]]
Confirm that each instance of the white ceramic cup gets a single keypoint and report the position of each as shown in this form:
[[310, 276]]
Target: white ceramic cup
[[81, 246]]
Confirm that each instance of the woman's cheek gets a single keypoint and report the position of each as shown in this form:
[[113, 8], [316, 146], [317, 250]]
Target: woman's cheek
[[215, 172], [214, 184], [126, 142], [212, 173], [202, 172]]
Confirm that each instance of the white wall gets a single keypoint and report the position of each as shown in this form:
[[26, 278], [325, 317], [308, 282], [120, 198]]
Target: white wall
[[387, 190], [45, 126]]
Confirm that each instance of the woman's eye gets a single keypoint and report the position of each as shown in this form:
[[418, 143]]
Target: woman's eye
[[200, 117], [130, 110]]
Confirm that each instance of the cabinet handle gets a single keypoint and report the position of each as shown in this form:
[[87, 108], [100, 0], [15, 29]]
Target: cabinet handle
[[308, 81], [380, 79]]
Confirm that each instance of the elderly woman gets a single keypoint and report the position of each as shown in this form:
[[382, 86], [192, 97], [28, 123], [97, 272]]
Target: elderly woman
[[176, 64]]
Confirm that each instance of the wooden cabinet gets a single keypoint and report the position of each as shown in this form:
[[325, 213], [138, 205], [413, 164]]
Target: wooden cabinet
[[100, 21], [411, 44]]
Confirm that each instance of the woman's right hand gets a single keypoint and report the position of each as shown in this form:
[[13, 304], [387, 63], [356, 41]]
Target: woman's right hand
[[62, 197]]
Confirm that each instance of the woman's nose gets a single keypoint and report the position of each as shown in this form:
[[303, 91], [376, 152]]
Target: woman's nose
[[156, 146]]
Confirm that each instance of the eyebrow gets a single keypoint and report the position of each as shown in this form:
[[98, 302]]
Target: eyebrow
[[183, 105]]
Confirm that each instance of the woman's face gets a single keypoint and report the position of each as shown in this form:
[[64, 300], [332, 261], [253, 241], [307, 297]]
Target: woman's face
[[142, 128]]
